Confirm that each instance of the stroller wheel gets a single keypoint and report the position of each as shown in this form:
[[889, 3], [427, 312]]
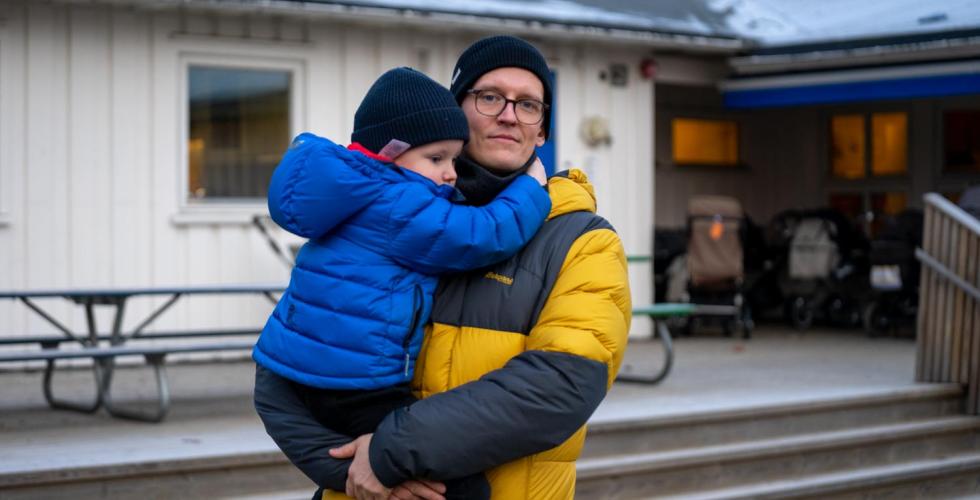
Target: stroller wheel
[[876, 320], [747, 327], [728, 327], [843, 313], [747, 323], [801, 314]]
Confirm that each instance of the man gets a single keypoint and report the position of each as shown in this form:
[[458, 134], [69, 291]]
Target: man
[[519, 355]]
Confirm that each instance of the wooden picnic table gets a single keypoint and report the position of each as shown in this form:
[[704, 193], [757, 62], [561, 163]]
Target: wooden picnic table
[[103, 349]]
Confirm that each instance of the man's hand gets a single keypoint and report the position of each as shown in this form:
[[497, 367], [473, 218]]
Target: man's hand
[[421, 489], [537, 171], [361, 481]]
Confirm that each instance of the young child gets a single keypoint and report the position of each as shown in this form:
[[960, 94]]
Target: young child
[[382, 224]]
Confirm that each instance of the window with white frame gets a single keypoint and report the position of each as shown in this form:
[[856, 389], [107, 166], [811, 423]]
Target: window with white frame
[[240, 117]]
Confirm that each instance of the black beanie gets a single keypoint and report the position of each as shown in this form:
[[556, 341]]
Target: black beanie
[[501, 51], [406, 105]]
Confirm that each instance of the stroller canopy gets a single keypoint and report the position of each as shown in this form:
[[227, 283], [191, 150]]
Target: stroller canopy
[[715, 251]]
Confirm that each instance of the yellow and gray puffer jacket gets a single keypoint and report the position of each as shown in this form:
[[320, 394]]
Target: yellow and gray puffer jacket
[[518, 357]]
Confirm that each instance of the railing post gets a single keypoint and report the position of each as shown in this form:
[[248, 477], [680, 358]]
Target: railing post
[[973, 328], [948, 337], [923, 324]]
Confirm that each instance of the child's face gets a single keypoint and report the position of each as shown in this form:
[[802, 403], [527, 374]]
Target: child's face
[[435, 161]]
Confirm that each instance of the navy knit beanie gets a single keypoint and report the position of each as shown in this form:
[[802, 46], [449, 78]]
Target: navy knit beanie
[[501, 51], [405, 105]]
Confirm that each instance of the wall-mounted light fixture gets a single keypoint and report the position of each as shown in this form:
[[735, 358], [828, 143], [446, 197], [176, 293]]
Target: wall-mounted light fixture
[[594, 131]]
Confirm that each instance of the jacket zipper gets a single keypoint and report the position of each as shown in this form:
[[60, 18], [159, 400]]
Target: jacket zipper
[[417, 303]]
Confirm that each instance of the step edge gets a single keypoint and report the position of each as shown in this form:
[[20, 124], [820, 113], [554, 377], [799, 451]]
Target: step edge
[[637, 463], [911, 394], [147, 468], [824, 484]]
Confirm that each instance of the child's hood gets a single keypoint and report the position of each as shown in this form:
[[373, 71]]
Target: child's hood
[[319, 184]]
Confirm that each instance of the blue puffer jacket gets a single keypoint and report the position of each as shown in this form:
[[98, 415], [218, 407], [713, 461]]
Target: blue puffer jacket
[[362, 286]]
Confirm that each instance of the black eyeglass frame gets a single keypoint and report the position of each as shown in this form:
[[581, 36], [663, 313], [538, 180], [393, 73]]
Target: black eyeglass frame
[[476, 95]]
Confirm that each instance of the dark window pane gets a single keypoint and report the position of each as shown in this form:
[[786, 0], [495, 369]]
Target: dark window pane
[[239, 127], [961, 140], [885, 204], [849, 204]]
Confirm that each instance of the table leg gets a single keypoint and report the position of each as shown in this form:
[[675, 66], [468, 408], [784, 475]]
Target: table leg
[[62, 404], [115, 338], [163, 396], [156, 314], [660, 330], [47, 386]]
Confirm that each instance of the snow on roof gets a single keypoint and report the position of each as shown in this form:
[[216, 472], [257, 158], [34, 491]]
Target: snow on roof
[[766, 23], [792, 22], [599, 14]]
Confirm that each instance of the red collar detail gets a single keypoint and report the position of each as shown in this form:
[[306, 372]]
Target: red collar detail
[[356, 146]]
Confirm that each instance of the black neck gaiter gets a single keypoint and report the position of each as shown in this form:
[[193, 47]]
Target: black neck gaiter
[[479, 184]]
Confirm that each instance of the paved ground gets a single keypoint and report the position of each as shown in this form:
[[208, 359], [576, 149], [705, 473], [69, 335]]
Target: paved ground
[[212, 414], [777, 365]]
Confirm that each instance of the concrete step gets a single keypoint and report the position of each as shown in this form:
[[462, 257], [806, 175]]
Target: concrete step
[[763, 461], [942, 478], [260, 474], [211, 448], [711, 428]]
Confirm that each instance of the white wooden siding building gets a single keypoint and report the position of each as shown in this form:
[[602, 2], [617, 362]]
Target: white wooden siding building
[[96, 185]]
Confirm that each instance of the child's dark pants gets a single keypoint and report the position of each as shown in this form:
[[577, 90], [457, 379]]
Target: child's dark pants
[[356, 413]]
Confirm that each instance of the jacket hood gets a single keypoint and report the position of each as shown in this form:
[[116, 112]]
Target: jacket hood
[[319, 184], [571, 191]]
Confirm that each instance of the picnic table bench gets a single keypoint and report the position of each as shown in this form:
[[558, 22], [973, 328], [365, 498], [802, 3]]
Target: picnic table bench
[[104, 348], [659, 313]]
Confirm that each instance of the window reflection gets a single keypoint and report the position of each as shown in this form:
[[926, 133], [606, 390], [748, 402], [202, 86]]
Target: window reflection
[[239, 127], [889, 140], [705, 142], [847, 143]]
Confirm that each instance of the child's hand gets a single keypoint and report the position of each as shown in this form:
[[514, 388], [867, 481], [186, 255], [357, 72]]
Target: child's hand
[[536, 170]]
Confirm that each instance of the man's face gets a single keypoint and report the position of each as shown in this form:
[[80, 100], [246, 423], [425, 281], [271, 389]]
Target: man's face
[[502, 142]]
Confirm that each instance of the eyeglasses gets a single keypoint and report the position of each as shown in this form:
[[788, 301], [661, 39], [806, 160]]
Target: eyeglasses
[[491, 103]]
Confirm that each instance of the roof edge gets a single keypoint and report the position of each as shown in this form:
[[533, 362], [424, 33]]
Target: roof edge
[[859, 56], [449, 21]]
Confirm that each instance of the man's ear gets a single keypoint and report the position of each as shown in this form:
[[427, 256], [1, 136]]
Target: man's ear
[[540, 140]]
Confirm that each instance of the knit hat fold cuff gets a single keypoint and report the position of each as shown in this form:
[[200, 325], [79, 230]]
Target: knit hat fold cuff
[[416, 129]]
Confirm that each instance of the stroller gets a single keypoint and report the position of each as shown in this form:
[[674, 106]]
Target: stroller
[[766, 256], [715, 262], [894, 274], [668, 244], [825, 270]]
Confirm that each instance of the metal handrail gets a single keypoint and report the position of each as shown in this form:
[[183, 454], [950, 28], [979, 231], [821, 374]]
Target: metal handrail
[[949, 208], [970, 222], [947, 344], [946, 273]]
